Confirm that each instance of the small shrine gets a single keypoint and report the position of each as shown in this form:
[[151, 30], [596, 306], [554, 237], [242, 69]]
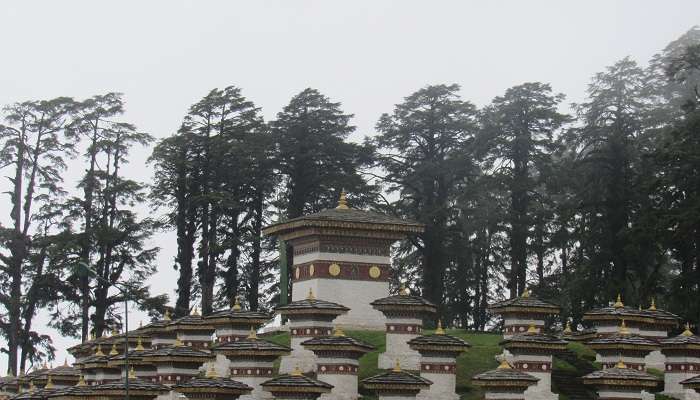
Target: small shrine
[[251, 360], [192, 330], [338, 362], [212, 387], [138, 389], [652, 323], [396, 384], [177, 363], [156, 330], [97, 370], [404, 314], [308, 318], [682, 355], [34, 393], [343, 255], [141, 368], [59, 377], [582, 336], [27, 380], [520, 313], [234, 323], [631, 349], [81, 391], [532, 353], [620, 382], [438, 362], [296, 386], [504, 382]]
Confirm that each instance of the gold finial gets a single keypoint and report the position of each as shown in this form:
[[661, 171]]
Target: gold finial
[[403, 291], [166, 317], [640, 307], [139, 344], [178, 342], [526, 293], [567, 329], [623, 330], [49, 383], [297, 371], [342, 201], [652, 307], [397, 366], [439, 330], [620, 364], [65, 362], [99, 352], [195, 312], [504, 364], [236, 304], [115, 331], [338, 332], [31, 386], [81, 381], [45, 366], [532, 329], [132, 373], [252, 334], [618, 302], [140, 324], [211, 372], [687, 332], [310, 296], [114, 351]]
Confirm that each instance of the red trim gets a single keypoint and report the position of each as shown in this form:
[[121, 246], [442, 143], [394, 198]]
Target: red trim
[[533, 366], [348, 271], [438, 368], [251, 372], [404, 329], [683, 368], [337, 369], [311, 331]]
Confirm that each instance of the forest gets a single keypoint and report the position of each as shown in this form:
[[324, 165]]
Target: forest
[[579, 202]]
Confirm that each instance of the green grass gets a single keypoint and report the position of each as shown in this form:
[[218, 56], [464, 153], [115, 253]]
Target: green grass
[[582, 351]]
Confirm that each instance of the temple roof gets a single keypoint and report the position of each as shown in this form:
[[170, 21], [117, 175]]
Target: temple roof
[[37, 394], [192, 321], [622, 341], [177, 353], [524, 303], [685, 340], [504, 375], [404, 302], [236, 313], [534, 340], [691, 383], [296, 382], [213, 384], [396, 379], [438, 342], [312, 305], [251, 346], [620, 376], [136, 387], [135, 358], [78, 391], [337, 342], [618, 311]]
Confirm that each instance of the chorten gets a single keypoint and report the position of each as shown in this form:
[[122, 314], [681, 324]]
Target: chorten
[[60, 377], [177, 363], [396, 384], [682, 354], [338, 363], [532, 353], [308, 318], [620, 382], [96, 368], [234, 323], [81, 391], [504, 382], [212, 387], [404, 314], [142, 369], [296, 386], [138, 389], [520, 313], [343, 255], [156, 330], [630, 348], [438, 363], [652, 323], [251, 361], [192, 330]]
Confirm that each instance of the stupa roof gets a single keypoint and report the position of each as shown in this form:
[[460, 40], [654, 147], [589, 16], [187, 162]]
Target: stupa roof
[[251, 346], [312, 305], [404, 302], [691, 383], [504, 376], [534, 340], [239, 315], [686, 340], [193, 321], [296, 383], [439, 341], [137, 387], [619, 311], [524, 303], [95, 361], [177, 353], [621, 341], [36, 394], [212, 384], [80, 391], [620, 375], [396, 379], [338, 341], [135, 358]]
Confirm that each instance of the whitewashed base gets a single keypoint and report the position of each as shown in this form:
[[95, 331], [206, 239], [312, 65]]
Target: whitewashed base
[[541, 391], [655, 360], [344, 387], [409, 360], [258, 393], [304, 359]]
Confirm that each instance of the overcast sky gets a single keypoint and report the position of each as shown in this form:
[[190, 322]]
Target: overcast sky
[[368, 55]]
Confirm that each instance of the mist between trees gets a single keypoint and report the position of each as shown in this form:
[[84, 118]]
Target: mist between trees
[[579, 207]]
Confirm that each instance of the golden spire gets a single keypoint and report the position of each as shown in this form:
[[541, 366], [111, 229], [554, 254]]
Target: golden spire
[[114, 351], [139, 344], [81, 381], [252, 334], [115, 331], [403, 291], [567, 329], [618, 302], [140, 324], [132, 373], [178, 342], [620, 364], [342, 201], [310, 296], [195, 312], [99, 352], [532, 329], [236, 304], [439, 330], [397, 366], [49, 383], [687, 332], [166, 317], [652, 307], [337, 332], [623, 330], [504, 364], [526, 293], [65, 362], [296, 372], [211, 372]]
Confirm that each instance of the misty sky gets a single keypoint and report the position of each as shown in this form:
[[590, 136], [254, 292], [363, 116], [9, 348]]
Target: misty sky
[[368, 55]]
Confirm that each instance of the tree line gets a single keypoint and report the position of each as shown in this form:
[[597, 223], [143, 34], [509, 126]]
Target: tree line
[[580, 201]]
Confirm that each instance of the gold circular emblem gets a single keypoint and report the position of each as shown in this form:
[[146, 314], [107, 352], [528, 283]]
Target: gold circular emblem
[[311, 270], [334, 269], [374, 272], [297, 272]]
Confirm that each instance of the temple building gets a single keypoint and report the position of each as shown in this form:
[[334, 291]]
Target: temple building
[[192, 330], [504, 382], [60, 377], [396, 384], [142, 369], [296, 386], [212, 387], [620, 382], [177, 363], [235, 323], [404, 315], [532, 354], [438, 363], [520, 313], [682, 354], [97, 370], [338, 363], [308, 318], [631, 349], [343, 255]]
